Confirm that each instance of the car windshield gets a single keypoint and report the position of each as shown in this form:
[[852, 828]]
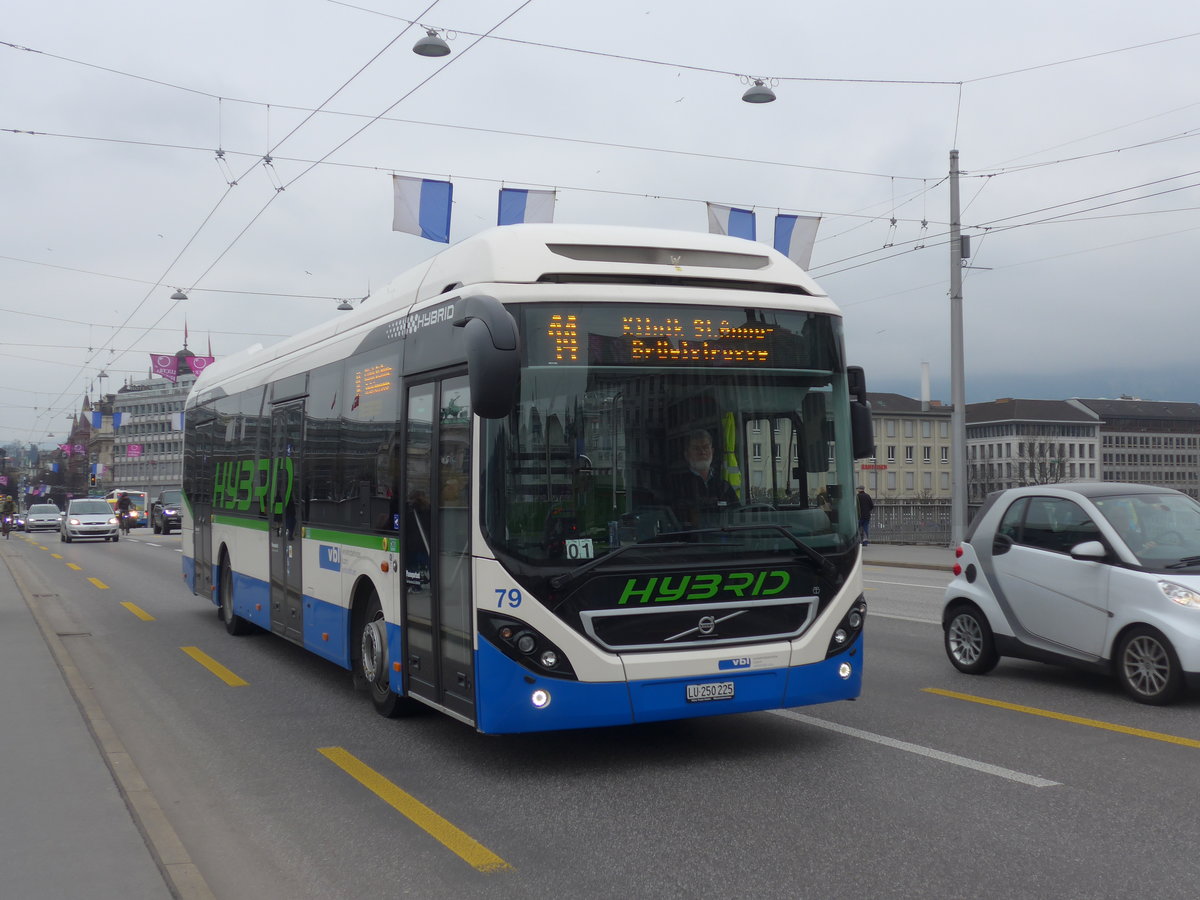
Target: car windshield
[[171, 498], [90, 508], [43, 509], [1160, 529]]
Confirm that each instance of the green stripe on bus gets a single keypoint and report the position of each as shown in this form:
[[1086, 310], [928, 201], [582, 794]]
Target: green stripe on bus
[[367, 541], [344, 538], [236, 522]]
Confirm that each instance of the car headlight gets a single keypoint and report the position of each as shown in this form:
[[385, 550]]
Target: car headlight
[[1177, 593]]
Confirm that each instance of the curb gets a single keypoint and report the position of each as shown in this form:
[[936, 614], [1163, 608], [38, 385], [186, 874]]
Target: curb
[[182, 877]]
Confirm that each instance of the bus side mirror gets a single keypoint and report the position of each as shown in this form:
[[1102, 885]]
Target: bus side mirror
[[861, 430], [493, 355]]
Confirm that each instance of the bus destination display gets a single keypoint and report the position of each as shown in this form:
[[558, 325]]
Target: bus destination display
[[686, 337]]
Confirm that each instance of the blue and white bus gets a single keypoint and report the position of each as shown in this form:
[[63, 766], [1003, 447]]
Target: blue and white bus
[[478, 492]]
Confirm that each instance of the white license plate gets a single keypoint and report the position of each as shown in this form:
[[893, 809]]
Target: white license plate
[[713, 690]]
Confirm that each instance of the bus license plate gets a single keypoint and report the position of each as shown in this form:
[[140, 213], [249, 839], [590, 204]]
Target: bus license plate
[[718, 690]]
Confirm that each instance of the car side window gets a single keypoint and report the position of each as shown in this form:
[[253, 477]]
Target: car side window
[[1010, 525], [1053, 523]]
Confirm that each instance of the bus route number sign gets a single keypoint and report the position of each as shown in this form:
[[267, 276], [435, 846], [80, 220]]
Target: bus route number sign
[[579, 548]]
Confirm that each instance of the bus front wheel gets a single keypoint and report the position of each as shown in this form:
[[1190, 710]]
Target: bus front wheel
[[373, 664]]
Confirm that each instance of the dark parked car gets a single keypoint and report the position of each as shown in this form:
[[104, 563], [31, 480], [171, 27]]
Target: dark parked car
[[164, 511]]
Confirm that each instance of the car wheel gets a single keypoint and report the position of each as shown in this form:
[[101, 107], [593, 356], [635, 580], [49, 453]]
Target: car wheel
[[115, 538], [1147, 667], [234, 623], [373, 664], [969, 642], [157, 528]]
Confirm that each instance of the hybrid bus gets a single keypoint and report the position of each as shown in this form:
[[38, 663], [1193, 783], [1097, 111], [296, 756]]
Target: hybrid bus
[[471, 490]]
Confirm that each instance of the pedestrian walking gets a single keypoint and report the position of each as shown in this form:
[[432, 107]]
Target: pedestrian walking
[[865, 505]]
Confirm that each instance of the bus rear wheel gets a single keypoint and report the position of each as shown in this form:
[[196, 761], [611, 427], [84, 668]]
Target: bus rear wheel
[[234, 623], [373, 664]]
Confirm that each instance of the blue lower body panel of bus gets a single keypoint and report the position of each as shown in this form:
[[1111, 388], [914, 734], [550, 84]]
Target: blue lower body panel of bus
[[513, 699]]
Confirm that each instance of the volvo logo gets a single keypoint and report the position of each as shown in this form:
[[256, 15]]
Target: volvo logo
[[706, 625]]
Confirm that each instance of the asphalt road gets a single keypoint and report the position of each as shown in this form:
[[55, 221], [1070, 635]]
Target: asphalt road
[[1030, 782]]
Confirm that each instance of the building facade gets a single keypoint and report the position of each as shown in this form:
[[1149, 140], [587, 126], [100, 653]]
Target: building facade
[[148, 446], [1148, 442], [1013, 442], [912, 449]]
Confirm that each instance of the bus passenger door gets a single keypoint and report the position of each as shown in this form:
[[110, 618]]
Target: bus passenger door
[[438, 612], [287, 609], [200, 504]]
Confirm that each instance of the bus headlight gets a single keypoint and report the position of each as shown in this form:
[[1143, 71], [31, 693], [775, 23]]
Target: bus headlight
[[844, 670], [540, 698], [525, 645], [848, 629]]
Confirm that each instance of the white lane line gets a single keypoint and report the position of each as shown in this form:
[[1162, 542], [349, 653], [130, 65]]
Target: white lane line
[[927, 587], [986, 768]]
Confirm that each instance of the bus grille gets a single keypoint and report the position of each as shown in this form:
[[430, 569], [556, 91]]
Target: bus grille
[[699, 624]]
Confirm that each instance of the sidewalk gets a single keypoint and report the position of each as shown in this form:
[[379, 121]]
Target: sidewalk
[[66, 829], [910, 556]]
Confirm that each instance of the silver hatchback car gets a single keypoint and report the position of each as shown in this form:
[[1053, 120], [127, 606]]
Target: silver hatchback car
[[90, 518], [1100, 575]]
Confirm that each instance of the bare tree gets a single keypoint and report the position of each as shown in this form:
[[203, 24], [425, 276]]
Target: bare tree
[[1041, 462]]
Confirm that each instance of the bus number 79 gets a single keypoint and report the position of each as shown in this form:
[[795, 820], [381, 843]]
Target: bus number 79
[[512, 597]]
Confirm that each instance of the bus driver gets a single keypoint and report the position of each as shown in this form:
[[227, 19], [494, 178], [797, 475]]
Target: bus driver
[[700, 489]]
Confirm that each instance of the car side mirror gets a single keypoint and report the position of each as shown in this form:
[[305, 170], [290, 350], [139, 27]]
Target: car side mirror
[[1089, 550]]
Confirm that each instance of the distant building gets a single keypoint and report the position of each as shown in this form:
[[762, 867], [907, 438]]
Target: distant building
[[912, 449], [1012, 442], [148, 446], [1148, 442]]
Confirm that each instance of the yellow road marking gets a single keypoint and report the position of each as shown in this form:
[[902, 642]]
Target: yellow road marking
[[137, 611], [451, 836], [215, 667], [1064, 717], [52, 555], [97, 582], [75, 567]]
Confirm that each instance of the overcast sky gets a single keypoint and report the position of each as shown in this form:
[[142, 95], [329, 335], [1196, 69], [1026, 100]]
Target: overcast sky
[[1077, 122]]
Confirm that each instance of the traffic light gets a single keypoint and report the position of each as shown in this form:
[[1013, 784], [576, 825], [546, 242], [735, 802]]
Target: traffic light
[[93, 477]]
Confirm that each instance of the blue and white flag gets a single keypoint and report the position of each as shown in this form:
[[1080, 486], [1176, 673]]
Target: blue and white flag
[[795, 236], [177, 421], [422, 207], [517, 206], [731, 220], [97, 420]]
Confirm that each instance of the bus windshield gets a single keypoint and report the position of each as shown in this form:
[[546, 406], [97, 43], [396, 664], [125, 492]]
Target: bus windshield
[[715, 432]]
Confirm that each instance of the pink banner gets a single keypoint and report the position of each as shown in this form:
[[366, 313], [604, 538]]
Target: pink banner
[[200, 363], [133, 450], [165, 365]]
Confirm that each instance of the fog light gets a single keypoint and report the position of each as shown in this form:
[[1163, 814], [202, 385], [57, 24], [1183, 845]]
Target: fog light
[[839, 636], [844, 670], [540, 698], [526, 643], [549, 659]]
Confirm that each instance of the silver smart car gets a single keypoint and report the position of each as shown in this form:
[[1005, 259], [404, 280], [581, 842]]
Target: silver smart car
[[1100, 575]]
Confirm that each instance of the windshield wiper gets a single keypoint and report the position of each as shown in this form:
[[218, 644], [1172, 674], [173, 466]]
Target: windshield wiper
[[1185, 562], [826, 568], [558, 582]]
